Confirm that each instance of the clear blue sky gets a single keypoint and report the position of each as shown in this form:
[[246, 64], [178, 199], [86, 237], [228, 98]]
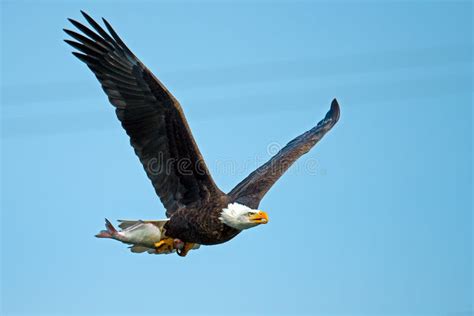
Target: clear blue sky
[[383, 226]]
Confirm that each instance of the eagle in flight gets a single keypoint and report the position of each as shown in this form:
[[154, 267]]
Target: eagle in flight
[[198, 212]]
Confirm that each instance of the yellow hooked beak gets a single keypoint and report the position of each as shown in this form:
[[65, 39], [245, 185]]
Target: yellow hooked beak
[[260, 218]]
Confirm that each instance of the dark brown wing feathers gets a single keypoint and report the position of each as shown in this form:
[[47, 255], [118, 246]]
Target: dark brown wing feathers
[[151, 116], [252, 189]]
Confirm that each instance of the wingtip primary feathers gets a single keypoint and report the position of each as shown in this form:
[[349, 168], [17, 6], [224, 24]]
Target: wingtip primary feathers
[[332, 116], [334, 104], [334, 111]]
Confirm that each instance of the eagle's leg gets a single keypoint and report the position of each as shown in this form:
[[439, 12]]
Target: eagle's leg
[[164, 245], [187, 246]]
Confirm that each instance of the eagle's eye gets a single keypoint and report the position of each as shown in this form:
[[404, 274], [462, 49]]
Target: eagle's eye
[[249, 213]]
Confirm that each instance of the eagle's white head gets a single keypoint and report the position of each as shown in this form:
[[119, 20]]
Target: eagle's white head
[[242, 217]]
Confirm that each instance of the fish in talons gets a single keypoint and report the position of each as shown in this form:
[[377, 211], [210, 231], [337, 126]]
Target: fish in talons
[[144, 236]]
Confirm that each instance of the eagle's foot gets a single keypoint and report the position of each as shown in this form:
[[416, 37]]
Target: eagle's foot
[[184, 251], [164, 246]]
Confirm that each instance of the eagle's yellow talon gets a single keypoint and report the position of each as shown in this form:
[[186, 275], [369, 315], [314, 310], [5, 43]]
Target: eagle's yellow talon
[[164, 245]]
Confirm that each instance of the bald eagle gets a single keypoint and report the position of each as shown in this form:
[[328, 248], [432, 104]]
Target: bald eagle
[[198, 212]]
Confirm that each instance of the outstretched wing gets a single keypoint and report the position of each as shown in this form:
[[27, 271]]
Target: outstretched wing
[[252, 189], [150, 115]]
